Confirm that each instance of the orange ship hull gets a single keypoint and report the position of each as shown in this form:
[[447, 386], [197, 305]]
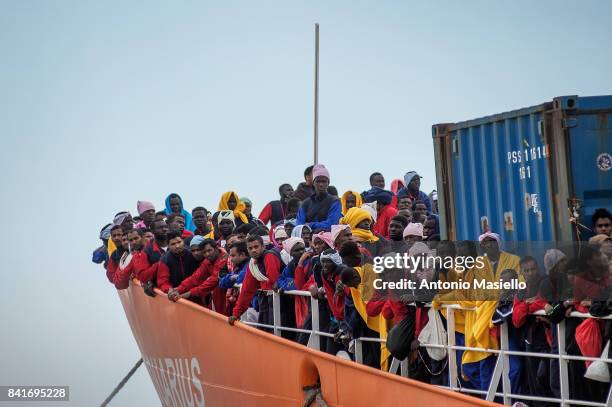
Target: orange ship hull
[[195, 358]]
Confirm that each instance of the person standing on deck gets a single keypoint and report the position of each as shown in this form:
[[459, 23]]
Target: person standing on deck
[[321, 210], [275, 211], [199, 215], [146, 211], [350, 199], [113, 261], [176, 265], [174, 205], [263, 270], [384, 210], [226, 226], [205, 280], [305, 189], [413, 189], [230, 202], [132, 261]]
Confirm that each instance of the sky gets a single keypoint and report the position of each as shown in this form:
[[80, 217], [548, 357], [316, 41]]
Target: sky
[[106, 103]]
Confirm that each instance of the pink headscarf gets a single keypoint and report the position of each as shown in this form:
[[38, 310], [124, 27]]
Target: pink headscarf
[[289, 243], [143, 206], [335, 231], [326, 237], [319, 170], [413, 229]]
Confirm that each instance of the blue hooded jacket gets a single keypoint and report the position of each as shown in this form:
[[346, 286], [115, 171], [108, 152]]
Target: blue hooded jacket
[[188, 221]]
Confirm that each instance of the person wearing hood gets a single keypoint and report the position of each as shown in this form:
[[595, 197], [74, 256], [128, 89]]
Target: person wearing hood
[[100, 255], [350, 199], [384, 209], [275, 211], [305, 189], [174, 204], [359, 222], [226, 225], [321, 210], [230, 201], [305, 233], [413, 189]]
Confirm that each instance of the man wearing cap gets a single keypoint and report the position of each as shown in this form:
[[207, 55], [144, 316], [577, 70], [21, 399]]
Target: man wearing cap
[[413, 232], [413, 189], [146, 211], [321, 210]]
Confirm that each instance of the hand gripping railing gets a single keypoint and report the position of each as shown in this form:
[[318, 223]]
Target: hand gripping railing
[[502, 365]]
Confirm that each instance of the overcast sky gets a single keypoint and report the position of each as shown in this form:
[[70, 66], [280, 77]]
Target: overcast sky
[[106, 103]]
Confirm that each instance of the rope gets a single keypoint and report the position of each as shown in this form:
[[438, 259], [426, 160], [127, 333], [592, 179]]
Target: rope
[[121, 383], [313, 393]]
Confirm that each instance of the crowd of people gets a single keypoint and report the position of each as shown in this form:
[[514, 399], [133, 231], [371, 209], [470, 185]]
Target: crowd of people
[[311, 239]]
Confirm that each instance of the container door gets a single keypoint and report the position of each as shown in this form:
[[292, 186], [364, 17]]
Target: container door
[[591, 160]]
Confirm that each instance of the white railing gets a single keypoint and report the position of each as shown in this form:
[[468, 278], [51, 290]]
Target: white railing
[[502, 365]]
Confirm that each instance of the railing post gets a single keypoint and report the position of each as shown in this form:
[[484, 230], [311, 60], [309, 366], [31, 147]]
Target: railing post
[[563, 373], [451, 353], [276, 312], [505, 345], [315, 340], [404, 367], [358, 351]]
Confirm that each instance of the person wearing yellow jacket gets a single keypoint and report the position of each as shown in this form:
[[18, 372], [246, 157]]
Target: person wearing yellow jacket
[[477, 366]]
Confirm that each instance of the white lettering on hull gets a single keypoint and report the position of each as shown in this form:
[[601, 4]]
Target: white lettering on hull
[[177, 381]]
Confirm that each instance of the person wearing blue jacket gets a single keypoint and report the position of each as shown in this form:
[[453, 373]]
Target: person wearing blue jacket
[[174, 204], [413, 189], [321, 210], [239, 256]]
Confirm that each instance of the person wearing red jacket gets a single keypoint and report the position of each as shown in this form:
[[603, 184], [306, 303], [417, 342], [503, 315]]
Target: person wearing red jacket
[[275, 211], [262, 272], [176, 265], [132, 261], [205, 280], [154, 251], [113, 260]]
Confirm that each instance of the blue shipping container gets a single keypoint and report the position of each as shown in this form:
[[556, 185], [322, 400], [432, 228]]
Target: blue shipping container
[[524, 173]]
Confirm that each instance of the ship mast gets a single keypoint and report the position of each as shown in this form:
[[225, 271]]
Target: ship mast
[[316, 97]]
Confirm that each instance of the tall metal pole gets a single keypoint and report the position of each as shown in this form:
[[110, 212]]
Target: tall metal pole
[[316, 97]]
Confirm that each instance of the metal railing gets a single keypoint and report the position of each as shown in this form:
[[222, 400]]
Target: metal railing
[[502, 365]]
